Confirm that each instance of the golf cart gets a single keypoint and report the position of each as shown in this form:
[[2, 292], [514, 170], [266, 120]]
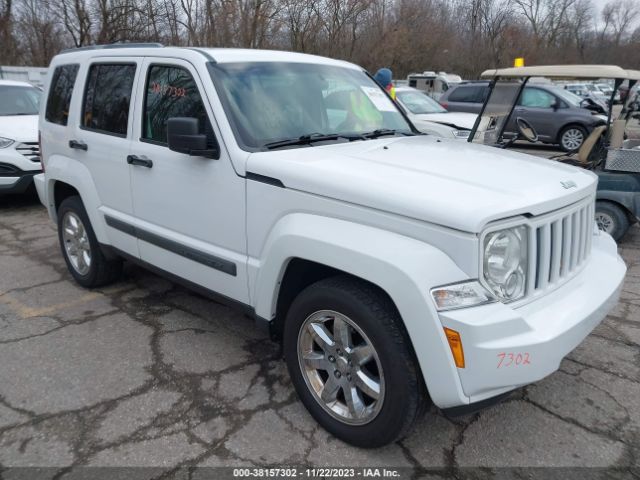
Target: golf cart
[[614, 159]]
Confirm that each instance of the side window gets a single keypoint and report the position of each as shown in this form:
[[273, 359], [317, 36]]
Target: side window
[[533, 97], [107, 97], [171, 92], [465, 95], [64, 78]]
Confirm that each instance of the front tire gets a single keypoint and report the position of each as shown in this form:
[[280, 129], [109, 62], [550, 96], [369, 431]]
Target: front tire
[[351, 362], [80, 248], [572, 137], [612, 219]]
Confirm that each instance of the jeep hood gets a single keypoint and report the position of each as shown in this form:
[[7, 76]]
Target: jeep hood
[[21, 128], [446, 182]]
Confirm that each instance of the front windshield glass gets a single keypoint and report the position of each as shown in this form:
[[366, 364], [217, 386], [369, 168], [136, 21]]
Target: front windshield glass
[[498, 106], [17, 100], [269, 102], [418, 103]]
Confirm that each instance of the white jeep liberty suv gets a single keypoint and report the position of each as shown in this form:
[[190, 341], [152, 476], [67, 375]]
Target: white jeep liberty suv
[[396, 268]]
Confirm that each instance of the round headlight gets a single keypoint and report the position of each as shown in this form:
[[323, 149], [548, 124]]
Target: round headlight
[[505, 262]]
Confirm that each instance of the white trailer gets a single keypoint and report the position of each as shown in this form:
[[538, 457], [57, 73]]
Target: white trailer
[[433, 84], [34, 75]]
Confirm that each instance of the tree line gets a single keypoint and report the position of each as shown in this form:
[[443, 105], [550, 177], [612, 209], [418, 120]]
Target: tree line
[[460, 36]]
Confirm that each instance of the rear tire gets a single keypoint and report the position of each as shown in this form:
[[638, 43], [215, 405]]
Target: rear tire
[[612, 219], [572, 137], [334, 381], [80, 248]]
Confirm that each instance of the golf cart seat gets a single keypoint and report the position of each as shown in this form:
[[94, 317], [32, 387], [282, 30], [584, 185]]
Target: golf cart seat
[[586, 149]]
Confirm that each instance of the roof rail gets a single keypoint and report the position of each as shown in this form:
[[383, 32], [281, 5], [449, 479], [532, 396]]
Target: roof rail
[[113, 45]]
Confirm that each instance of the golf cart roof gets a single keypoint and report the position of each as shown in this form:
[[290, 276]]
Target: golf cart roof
[[560, 71], [633, 74]]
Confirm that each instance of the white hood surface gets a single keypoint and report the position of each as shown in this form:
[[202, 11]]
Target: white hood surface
[[457, 119], [445, 182], [21, 128]]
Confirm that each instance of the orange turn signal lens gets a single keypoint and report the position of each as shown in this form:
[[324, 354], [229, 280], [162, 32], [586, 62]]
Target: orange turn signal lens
[[455, 344]]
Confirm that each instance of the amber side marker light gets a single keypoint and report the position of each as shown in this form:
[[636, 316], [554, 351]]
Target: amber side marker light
[[455, 344]]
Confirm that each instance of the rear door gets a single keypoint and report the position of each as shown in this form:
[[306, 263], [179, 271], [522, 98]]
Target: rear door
[[465, 98], [101, 138]]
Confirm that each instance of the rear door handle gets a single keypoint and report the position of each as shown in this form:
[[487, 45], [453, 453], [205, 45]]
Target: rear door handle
[[139, 161], [77, 145]]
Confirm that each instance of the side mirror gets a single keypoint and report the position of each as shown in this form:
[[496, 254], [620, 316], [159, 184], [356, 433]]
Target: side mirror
[[183, 137], [555, 105]]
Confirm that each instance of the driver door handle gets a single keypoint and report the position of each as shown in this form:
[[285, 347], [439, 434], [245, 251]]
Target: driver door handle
[[78, 145], [139, 161]]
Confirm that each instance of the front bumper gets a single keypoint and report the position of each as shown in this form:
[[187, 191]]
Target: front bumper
[[507, 347], [16, 184]]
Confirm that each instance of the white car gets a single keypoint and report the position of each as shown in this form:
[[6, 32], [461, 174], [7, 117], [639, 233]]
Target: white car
[[19, 149], [396, 269], [608, 90], [430, 117]]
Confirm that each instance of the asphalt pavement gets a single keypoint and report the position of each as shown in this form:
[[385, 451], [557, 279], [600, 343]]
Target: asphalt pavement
[[145, 373]]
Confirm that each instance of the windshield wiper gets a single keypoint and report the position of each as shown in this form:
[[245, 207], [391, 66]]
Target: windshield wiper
[[381, 132], [310, 138]]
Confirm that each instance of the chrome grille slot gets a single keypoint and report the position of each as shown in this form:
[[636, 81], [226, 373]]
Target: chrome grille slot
[[559, 244], [31, 150]]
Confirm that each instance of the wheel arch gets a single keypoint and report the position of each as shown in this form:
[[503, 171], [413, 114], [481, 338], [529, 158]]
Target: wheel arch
[[572, 123], [629, 202], [65, 177], [304, 247]]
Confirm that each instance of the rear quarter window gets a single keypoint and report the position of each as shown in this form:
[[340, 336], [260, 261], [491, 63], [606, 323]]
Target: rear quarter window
[[470, 94], [60, 91]]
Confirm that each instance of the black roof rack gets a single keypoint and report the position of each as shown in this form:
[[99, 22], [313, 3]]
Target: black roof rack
[[113, 45]]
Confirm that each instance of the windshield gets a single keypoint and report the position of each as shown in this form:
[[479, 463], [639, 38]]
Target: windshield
[[497, 110], [419, 103], [17, 100], [269, 102]]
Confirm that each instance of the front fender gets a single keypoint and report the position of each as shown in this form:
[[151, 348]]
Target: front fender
[[405, 268], [74, 173], [629, 200]]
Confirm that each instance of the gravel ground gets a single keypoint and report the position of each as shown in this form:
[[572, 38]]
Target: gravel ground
[[146, 374]]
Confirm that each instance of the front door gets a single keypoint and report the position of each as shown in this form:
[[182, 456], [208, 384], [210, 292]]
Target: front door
[[190, 210], [536, 106]]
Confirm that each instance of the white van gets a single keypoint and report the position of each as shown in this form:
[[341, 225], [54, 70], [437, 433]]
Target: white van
[[395, 268]]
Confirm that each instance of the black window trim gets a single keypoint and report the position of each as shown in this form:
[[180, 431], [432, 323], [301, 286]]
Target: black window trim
[[46, 105], [144, 101], [84, 96]]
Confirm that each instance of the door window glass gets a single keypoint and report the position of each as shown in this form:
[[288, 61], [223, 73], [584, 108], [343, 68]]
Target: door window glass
[[171, 92], [107, 97], [469, 94], [536, 98], [64, 77]]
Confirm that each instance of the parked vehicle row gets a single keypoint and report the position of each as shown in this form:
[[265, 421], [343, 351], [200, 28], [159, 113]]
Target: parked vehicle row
[[19, 150], [557, 115], [397, 269]]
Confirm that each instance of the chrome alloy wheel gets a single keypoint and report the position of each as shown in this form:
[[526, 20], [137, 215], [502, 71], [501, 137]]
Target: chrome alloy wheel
[[605, 222], [341, 367], [76, 243], [572, 139]]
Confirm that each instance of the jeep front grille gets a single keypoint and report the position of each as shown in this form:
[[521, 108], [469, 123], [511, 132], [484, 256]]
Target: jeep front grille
[[559, 245], [31, 150]]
